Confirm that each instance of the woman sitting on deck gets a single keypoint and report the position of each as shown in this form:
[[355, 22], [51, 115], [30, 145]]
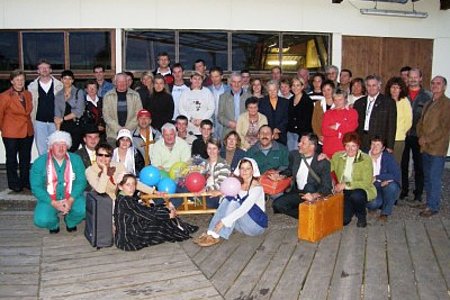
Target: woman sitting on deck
[[139, 226], [245, 212]]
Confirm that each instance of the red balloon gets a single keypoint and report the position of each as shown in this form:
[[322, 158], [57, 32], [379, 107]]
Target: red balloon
[[195, 182]]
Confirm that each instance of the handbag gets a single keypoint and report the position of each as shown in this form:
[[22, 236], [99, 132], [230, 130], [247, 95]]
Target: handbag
[[274, 187]]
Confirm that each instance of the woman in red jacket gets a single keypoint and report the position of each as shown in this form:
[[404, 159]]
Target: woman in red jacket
[[17, 131], [337, 122]]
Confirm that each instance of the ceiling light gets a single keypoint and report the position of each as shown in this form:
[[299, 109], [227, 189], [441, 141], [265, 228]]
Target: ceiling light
[[393, 13]]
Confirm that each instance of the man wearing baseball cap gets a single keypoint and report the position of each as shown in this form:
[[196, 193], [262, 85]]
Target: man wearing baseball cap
[[145, 135]]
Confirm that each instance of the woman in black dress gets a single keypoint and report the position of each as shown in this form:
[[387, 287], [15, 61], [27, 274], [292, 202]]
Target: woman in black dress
[[139, 226]]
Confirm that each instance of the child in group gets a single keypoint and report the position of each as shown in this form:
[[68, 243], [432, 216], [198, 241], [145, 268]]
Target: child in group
[[139, 226]]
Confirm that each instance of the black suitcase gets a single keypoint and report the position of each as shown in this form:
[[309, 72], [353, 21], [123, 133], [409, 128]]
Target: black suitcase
[[98, 229]]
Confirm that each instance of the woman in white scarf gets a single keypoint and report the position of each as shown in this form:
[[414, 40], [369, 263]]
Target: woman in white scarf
[[127, 154]]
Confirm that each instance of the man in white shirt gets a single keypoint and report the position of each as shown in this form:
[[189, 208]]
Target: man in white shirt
[[170, 149], [311, 178], [178, 87], [196, 104]]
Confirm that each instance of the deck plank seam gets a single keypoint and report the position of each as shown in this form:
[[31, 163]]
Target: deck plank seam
[[308, 271], [284, 269], [411, 259], [334, 265], [224, 261], [245, 266], [41, 259], [387, 265], [435, 255]]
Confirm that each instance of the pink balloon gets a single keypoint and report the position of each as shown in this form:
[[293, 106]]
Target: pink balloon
[[230, 186]]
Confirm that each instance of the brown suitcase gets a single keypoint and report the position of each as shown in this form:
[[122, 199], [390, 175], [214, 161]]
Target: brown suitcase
[[320, 218]]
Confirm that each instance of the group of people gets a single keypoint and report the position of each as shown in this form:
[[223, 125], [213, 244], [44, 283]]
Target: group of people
[[327, 136]]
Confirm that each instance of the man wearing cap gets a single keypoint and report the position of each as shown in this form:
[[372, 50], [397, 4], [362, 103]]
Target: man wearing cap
[[170, 149], [120, 107], [196, 104], [145, 135], [60, 192], [90, 141]]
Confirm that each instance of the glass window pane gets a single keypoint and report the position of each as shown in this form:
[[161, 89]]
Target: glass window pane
[[43, 45], [209, 46], [308, 51], [88, 49], [255, 51], [9, 51], [142, 48]]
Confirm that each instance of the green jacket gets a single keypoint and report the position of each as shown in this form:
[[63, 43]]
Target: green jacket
[[277, 158], [362, 174]]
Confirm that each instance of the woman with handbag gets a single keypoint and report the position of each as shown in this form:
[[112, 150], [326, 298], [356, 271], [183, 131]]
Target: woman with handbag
[[93, 112], [69, 107], [245, 212]]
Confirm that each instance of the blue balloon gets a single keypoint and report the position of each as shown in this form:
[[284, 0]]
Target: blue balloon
[[150, 175], [167, 185]]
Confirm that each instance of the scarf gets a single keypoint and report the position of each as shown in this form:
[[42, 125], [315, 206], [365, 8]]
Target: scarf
[[129, 159], [52, 178], [110, 173]]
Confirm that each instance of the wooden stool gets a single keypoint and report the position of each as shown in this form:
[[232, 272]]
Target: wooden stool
[[189, 206]]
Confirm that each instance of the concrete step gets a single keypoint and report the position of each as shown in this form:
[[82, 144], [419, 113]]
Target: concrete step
[[12, 201]]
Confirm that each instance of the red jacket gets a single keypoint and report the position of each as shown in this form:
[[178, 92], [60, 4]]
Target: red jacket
[[332, 139], [15, 120]]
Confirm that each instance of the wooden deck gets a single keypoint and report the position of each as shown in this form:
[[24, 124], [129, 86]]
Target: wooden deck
[[400, 260]]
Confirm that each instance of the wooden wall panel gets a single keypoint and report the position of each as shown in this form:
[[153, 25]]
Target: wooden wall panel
[[385, 56]]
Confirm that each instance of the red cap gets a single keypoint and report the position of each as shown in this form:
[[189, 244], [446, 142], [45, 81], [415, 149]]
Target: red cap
[[144, 113]]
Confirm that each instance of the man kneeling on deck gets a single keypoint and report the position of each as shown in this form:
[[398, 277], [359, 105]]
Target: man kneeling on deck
[[57, 181], [311, 178]]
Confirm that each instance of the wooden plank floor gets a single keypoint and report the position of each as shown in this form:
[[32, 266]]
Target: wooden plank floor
[[398, 260]]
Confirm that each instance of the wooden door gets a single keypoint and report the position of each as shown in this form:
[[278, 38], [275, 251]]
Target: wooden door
[[386, 56]]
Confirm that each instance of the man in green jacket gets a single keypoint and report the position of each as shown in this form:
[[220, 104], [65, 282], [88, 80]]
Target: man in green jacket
[[269, 154]]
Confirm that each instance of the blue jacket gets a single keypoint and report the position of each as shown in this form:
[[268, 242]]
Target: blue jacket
[[390, 170], [238, 155]]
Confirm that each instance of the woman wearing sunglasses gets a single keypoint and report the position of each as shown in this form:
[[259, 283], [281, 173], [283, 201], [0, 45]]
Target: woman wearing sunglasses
[[103, 176]]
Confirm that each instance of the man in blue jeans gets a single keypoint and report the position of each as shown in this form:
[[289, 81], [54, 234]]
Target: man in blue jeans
[[433, 130], [387, 176]]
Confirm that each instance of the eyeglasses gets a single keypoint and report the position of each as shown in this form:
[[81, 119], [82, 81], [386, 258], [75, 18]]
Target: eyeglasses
[[103, 155]]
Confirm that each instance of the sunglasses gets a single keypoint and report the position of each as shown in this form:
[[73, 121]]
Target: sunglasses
[[103, 154]]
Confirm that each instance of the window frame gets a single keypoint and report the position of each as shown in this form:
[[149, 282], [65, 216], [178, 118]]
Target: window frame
[[80, 73], [229, 33]]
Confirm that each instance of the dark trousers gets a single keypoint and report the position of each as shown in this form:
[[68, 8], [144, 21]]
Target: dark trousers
[[289, 202], [18, 147], [412, 144], [355, 202]]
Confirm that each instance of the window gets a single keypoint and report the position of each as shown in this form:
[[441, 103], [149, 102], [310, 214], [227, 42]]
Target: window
[[43, 45], [230, 50], [9, 51], [142, 48], [308, 51], [255, 51], [210, 46], [78, 50], [87, 49]]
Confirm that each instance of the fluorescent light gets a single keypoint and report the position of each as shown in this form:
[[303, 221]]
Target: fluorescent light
[[393, 13], [284, 63]]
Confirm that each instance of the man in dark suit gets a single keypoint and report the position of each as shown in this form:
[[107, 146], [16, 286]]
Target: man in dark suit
[[377, 115], [308, 183], [90, 141]]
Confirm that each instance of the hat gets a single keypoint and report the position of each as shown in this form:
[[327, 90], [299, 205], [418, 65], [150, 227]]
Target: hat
[[144, 113], [91, 128], [59, 136], [124, 133], [255, 167]]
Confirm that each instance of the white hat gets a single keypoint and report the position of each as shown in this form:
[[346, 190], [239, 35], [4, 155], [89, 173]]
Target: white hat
[[255, 167], [124, 133], [59, 136]]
